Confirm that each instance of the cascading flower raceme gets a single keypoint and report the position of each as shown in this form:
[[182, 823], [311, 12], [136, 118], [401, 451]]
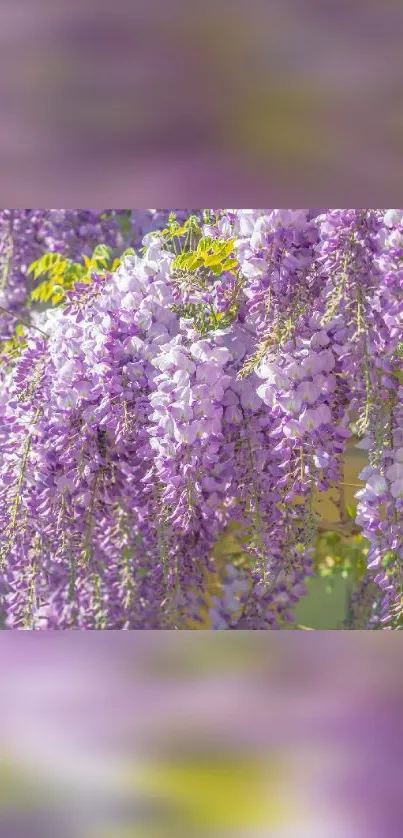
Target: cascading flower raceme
[[27, 234], [380, 508], [212, 378]]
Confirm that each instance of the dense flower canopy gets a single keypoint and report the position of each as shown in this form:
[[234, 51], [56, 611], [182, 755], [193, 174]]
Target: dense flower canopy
[[209, 374]]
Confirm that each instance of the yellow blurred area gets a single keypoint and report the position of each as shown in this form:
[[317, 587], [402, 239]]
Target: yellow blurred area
[[217, 793], [160, 734], [17, 787]]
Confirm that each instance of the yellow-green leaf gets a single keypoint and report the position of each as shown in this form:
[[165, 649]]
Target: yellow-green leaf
[[229, 247], [57, 298], [230, 264], [211, 261], [181, 260], [195, 262]]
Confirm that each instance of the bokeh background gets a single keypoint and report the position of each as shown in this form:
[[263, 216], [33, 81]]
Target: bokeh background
[[114, 734], [244, 103]]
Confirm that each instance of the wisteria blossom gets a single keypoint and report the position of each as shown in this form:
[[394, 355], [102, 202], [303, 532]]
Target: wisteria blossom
[[211, 377]]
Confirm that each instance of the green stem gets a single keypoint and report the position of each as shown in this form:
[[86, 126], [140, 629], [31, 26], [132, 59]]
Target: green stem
[[17, 499], [9, 255], [24, 322]]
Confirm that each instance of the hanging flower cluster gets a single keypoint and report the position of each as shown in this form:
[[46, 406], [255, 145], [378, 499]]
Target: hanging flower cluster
[[213, 377], [27, 234]]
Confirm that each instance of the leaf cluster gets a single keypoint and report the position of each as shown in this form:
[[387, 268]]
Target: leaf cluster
[[61, 274], [214, 254]]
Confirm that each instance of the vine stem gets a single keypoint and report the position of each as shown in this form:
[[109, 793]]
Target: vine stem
[[9, 256], [17, 499], [24, 322], [343, 528], [90, 521]]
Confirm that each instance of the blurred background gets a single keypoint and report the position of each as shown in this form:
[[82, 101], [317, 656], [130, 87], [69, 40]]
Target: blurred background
[[185, 734], [210, 104]]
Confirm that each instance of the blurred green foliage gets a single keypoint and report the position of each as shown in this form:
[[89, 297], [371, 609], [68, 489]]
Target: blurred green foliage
[[340, 566], [336, 556]]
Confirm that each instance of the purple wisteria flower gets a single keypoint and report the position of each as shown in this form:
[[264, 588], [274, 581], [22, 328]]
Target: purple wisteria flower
[[158, 405]]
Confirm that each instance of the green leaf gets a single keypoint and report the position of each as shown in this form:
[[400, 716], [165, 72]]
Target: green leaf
[[195, 262], [180, 231], [43, 292], [204, 244], [57, 298], [59, 268], [181, 261], [230, 264], [102, 251], [211, 261], [47, 292], [52, 259], [32, 267], [228, 247], [36, 293]]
